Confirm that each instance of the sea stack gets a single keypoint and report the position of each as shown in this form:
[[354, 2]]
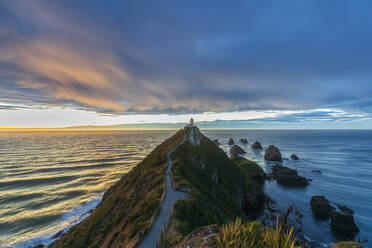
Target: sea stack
[[320, 207], [294, 157], [343, 224], [272, 153], [235, 150], [256, 145], [288, 177]]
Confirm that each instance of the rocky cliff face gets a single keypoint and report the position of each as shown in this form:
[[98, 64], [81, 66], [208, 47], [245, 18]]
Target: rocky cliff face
[[193, 135]]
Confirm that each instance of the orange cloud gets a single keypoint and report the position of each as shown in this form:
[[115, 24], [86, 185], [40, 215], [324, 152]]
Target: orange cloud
[[91, 78]]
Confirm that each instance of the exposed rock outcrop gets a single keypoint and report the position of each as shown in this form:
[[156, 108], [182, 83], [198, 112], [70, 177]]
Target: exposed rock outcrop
[[294, 157], [243, 140], [235, 150], [231, 142], [320, 207], [256, 145], [202, 237], [272, 153], [287, 176], [193, 135], [343, 224]]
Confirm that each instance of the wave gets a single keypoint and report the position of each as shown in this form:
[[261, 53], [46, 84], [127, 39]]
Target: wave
[[35, 181], [66, 221]]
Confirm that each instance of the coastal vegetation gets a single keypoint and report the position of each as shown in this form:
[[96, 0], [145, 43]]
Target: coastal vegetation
[[240, 234]]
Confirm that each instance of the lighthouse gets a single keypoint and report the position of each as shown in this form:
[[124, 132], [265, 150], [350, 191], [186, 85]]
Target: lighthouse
[[191, 122]]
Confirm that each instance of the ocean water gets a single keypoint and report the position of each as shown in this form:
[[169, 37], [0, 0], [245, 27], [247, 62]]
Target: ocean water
[[344, 158], [49, 181]]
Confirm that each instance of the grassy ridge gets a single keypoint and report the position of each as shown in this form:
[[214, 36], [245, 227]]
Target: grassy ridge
[[220, 190], [128, 208]]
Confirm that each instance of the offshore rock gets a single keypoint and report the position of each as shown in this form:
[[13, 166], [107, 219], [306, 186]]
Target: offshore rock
[[343, 224], [287, 176], [256, 145], [294, 157], [272, 153], [320, 207], [237, 150], [231, 141], [244, 141]]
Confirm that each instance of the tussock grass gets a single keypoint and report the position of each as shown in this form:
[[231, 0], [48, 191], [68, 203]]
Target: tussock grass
[[241, 234]]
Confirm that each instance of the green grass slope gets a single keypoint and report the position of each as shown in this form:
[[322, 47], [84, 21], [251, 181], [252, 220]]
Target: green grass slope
[[220, 189]]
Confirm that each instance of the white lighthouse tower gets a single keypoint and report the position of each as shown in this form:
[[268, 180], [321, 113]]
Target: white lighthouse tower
[[191, 122]]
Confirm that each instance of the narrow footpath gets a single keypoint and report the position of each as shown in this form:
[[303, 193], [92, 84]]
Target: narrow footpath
[[171, 197]]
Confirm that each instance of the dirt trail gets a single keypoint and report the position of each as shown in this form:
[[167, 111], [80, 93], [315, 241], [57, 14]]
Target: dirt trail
[[171, 197]]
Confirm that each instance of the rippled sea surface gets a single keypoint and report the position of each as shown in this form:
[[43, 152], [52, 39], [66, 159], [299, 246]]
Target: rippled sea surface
[[50, 180], [344, 158]]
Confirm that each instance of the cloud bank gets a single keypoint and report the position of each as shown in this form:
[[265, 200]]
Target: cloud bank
[[180, 57]]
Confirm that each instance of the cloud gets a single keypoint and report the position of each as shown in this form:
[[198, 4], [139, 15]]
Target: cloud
[[64, 73], [181, 57]]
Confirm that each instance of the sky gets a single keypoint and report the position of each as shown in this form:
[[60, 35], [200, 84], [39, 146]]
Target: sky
[[245, 64]]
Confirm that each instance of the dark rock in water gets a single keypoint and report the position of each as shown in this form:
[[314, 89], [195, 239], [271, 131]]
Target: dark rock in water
[[237, 150], [59, 233], [347, 244], [320, 207], [278, 170], [256, 145], [287, 176], [345, 209], [285, 159], [215, 141], [272, 153], [343, 224], [294, 157], [244, 141], [231, 141], [316, 171]]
